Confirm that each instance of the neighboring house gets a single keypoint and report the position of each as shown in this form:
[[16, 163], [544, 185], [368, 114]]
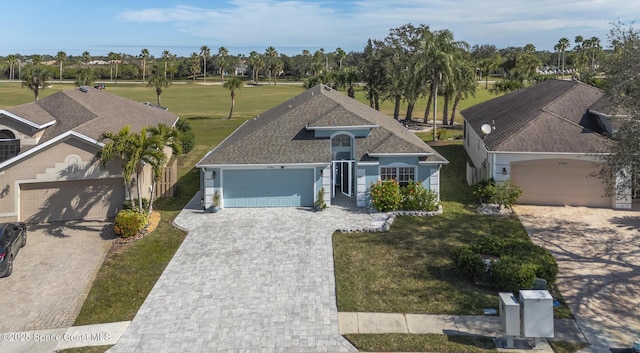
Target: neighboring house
[[318, 140], [545, 138], [47, 167]]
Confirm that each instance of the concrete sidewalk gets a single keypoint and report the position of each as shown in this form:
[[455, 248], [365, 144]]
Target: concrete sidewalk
[[489, 326], [46, 341]]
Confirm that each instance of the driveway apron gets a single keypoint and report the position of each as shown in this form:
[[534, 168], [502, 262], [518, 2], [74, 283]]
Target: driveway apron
[[598, 254], [247, 280]]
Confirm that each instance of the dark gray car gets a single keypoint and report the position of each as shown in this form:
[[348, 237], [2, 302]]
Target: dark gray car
[[13, 237]]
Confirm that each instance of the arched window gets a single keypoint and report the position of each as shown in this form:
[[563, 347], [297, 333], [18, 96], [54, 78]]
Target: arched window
[[7, 135], [9, 145]]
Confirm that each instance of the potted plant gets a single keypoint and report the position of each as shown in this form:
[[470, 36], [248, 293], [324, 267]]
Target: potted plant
[[216, 201], [319, 203]]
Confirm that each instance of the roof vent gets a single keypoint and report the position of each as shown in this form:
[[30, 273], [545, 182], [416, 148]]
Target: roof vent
[[327, 88], [84, 89]]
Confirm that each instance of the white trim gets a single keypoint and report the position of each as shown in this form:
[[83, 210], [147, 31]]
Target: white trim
[[417, 154], [368, 163], [25, 121], [551, 153], [440, 163], [331, 128], [46, 144], [264, 166]]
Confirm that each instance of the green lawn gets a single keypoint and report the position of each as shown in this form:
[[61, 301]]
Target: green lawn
[[409, 269]]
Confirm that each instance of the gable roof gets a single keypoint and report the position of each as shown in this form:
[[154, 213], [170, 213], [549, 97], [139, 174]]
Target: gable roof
[[90, 112], [551, 116], [284, 134]]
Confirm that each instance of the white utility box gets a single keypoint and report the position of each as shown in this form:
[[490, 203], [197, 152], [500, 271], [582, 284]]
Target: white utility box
[[509, 316], [536, 313]]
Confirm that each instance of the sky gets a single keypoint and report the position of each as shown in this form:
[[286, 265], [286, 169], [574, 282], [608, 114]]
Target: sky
[[182, 27]]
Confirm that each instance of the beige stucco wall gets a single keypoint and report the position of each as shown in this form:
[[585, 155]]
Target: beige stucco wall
[[71, 159]]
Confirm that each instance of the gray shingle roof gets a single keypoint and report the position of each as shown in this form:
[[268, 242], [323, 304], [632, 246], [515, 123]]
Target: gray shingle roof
[[551, 116], [90, 113], [280, 134]]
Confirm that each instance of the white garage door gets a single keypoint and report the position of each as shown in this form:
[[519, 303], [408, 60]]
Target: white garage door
[[559, 182], [70, 200]]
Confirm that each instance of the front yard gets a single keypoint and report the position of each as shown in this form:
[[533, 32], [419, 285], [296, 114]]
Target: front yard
[[409, 269]]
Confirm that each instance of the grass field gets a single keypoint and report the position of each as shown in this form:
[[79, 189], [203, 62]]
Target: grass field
[[213, 101]]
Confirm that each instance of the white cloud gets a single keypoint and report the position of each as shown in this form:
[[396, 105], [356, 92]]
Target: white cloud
[[314, 24]]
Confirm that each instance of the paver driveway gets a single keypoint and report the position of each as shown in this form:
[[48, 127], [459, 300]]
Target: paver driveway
[[598, 254], [52, 275], [247, 280]]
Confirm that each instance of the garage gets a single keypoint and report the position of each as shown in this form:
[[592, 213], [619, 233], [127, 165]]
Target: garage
[[71, 200], [560, 182], [278, 187]]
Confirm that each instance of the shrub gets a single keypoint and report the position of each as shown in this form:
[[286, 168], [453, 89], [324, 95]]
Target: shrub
[[489, 246], [482, 190], [511, 274], [504, 194], [415, 197], [469, 263], [545, 264], [186, 138], [522, 260], [133, 204], [385, 195], [129, 223]]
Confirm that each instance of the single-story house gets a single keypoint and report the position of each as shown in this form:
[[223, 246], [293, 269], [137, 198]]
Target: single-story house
[[547, 139], [48, 169], [320, 140]]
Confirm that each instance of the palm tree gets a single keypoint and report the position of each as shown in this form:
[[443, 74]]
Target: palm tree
[[223, 55], [144, 55], [487, 66], [159, 82], [60, 57], [256, 62], [273, 63], [35, 78], [232, 85], [117, 147], [117, 58], [205, 52], [166, 56], [12, 59], [144, 149], [86, 57], [85, 77], [194, 65], [341, 54], [165, 137], [563, 44], [112, 59], [438, 60]]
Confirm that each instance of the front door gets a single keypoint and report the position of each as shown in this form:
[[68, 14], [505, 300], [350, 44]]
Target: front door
[[343, 177]]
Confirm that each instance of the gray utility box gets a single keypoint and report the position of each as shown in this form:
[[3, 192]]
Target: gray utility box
[[536, 313], [509, 314]]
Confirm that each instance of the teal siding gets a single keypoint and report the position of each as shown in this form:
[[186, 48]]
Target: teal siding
[[268, 188]]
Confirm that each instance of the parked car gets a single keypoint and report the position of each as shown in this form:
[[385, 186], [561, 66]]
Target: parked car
[[13, 237]]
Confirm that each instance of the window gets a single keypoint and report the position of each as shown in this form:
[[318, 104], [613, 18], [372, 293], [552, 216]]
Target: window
[[402, 174], [341, 141], [9, 145]]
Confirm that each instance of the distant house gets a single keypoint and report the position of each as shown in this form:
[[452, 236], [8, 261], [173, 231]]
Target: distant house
[[546, 139], [318, 140], [47, 167]]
